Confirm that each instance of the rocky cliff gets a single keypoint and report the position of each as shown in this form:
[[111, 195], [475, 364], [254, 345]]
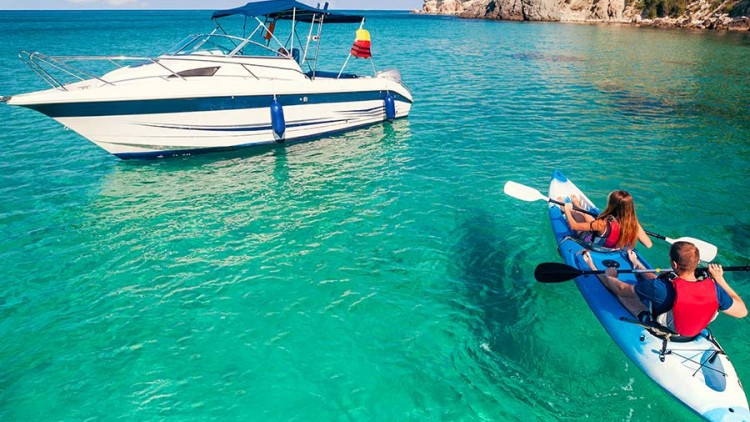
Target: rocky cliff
[[700, 14]]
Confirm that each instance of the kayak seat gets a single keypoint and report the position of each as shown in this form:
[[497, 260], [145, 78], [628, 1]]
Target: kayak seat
[[665, 333], [661, 331], [658, 329], [665, 320]]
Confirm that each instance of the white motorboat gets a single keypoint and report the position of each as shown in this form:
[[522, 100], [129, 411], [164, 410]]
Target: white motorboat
[[217, 91]]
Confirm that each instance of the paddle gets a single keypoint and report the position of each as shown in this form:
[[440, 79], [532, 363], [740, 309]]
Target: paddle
[[525, 193], [555, 272]]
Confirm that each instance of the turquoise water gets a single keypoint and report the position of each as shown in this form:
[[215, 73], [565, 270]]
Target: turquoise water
[[376, 275]]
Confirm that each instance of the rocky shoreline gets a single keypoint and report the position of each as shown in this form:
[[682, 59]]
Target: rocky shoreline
[[701, 14]]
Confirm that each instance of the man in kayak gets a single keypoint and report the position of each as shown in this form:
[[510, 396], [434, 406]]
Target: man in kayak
[[689, 303]]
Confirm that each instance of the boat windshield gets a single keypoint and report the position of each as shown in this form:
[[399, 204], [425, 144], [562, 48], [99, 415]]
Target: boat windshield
[[219, 45]]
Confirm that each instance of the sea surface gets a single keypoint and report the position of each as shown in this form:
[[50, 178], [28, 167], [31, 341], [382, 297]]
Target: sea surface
[[381, 274]]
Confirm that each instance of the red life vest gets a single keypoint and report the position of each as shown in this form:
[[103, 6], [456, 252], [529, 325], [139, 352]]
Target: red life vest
[[611, 234], [361, 47], [695, 305]]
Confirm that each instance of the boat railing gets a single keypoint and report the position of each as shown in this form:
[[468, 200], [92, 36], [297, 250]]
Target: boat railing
[[44, 66], [52, 69]]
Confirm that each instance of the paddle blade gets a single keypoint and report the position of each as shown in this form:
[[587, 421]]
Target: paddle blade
[[523, 192], [555, 272], [707, 251]]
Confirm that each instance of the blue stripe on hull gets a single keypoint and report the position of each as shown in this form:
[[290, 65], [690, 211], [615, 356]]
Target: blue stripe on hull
[[247, 128], [187, 105], [174, 153]]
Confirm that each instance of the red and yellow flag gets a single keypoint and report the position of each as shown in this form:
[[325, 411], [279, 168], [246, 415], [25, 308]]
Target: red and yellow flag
[[361, 47]]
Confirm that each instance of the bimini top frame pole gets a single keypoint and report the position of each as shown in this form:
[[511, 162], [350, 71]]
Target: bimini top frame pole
[[294, 28]]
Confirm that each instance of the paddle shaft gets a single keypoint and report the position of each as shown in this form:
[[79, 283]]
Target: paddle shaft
[[647, 270], [659, 270], [732, 268], [556, 272]]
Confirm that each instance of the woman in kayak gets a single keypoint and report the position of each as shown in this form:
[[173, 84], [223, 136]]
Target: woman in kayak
[[616, 227], [690, 303]]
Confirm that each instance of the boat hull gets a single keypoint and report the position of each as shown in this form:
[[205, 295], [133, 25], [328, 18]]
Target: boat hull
[[695, 372], [180, 117]]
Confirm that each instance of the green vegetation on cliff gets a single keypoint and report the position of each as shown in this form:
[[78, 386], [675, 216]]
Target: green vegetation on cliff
[[675, 8], [663, 8]]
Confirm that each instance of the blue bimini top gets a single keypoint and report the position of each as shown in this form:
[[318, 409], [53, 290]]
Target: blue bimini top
[[286, 9]]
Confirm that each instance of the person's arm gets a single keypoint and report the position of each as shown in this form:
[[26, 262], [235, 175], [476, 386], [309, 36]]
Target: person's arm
[[738, 308], [643, 237], [579, 226]]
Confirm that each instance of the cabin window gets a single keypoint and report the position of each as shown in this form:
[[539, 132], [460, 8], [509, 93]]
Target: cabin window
[[202, 71]]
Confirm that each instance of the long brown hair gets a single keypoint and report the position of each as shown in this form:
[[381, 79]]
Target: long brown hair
[[620, 206]]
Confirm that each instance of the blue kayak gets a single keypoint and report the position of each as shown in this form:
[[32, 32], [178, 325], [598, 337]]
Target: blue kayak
[[698, 372]]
